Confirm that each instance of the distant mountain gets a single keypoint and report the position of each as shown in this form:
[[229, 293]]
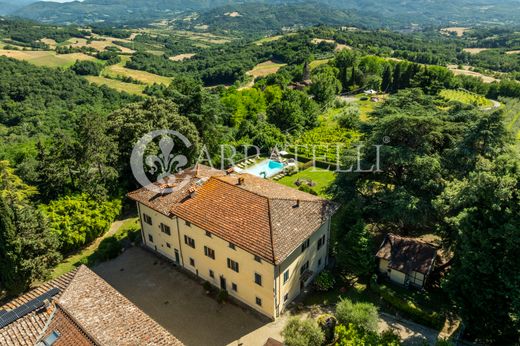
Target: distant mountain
[[115, 11], [256, 17], [10, 6], [389, 12]]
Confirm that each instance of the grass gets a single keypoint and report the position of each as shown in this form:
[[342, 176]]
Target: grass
[[142, 76], [466, 97], [83, 256], [424, 303], [321, 177], [266, 68], [317, 63], [100, 44], [46, 58], [135, 89]]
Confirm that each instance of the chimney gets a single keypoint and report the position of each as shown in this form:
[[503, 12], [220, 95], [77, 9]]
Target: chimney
[[297, 205], [241, 181]]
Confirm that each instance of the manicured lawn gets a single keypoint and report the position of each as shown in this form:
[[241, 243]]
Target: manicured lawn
[[82, 256], [321, 177]]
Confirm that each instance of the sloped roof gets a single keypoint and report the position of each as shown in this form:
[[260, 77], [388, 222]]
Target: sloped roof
[[26, 330], [86, 311], [108, 316], [407, 254], [258, 215], [162, 202]]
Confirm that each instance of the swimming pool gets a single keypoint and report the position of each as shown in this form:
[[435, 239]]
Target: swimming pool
[[265, 169]]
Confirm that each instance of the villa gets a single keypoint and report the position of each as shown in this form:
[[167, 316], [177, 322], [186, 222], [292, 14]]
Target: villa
[[260, 241]]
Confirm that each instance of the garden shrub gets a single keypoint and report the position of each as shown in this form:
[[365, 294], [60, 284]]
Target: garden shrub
[[325, 281], [327, 323], [432, 319], [78, 220], [109, 248], [363, 315], [302, 333], [308, 189], [222, 296]]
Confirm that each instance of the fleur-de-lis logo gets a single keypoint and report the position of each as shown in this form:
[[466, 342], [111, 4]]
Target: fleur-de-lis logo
[[162, 165], [165, 163]]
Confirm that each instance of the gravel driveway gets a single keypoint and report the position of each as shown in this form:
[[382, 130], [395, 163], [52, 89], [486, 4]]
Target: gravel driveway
[[176, 301]]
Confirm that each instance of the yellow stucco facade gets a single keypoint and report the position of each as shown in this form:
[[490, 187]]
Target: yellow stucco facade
[[257, 283]]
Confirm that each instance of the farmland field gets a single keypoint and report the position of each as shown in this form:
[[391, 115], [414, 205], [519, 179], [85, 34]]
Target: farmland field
[[466, 97], [467, 72], [46, 58], [98, 45], [130, 88], [264, 69], [142, 76], [474, 50], [317, 63]]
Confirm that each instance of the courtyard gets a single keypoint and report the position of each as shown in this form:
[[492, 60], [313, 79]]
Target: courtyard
[[176, 301]]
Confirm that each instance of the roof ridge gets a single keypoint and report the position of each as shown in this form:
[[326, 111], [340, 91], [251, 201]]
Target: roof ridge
[[316, 199], [237, 186], [270, 228]]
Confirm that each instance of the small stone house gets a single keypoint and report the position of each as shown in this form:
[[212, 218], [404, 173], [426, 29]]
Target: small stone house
[[406, 261]]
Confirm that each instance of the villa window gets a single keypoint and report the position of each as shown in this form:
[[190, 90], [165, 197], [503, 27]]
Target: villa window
[[232, 265], [286, 276], [211, 274], [208, 234], [232, 246], [321, 242], [305, 245], [187, 223], [147, 219], [234, 287], [165, 229], [258, 259], [192, 262], [189, 241], [258, 301], [209, 252], [258, 279], [150, 238], [319, 262], [304, 267], [168, 245]]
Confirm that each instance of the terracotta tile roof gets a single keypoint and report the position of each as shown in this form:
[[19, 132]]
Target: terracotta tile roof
[[87, 311], [260, 216], [26, 330], [190, 178], [407, 254], [106, 314], [70, 333]]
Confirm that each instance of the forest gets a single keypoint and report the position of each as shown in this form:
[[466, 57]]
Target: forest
[[451, 163]]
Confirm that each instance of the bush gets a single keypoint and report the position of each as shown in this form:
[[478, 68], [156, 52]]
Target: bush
[[327, 323], [222, 296], [78, 220], [325, 281], [349, 118], [363, 315], [109, 248], [86, 68], [207, 286], [433, 319], [302, 333], [308, 189]]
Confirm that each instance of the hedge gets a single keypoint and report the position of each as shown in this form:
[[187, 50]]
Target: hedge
[[433, 319]]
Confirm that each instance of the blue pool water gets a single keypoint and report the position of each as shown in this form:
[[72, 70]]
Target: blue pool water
[[269, 167]]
